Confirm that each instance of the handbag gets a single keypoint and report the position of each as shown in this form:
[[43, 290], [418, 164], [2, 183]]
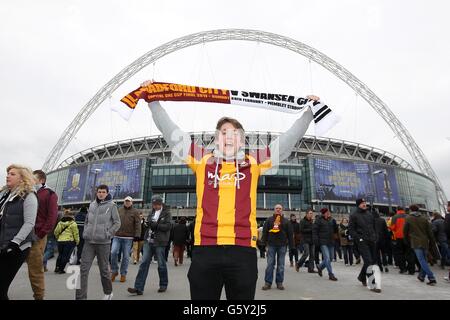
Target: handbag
[[73, 257]]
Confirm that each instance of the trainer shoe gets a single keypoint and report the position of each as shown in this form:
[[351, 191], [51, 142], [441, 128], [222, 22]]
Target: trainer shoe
[[162, 289], [108, 296]]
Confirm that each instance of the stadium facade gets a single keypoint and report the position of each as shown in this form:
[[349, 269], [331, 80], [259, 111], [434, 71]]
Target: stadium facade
[[319, 172]]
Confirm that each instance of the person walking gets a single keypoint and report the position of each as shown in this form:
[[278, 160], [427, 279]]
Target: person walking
[[402, 252], [130, 229], [102, 222], [180, 237], [18, 211], [383, 236], [45, 222], [138, 244], [277, 235], [67, 236], [346, 242], [293, 253], [323, 237], [79, 219], [159, 224], [363, 231], [306, 235], [438, 226], [418, 233]]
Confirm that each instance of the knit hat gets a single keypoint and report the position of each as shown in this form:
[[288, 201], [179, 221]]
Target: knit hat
[[359, 201], [156, 199], [323, 210]]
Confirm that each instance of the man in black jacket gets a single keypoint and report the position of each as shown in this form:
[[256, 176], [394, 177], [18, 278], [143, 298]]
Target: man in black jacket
[[306, 236], [277, 233], [156, 240], [323, 237], [362, 229]]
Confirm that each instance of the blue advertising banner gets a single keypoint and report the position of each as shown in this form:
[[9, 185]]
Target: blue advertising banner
[[76, 181], [123, 178], [348, 180]]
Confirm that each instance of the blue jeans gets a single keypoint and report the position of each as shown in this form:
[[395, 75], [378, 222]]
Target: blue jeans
[[280, 252], [151, 250], [443, 247], [327, 256], [421, 255], [120, 245], [49, 250]]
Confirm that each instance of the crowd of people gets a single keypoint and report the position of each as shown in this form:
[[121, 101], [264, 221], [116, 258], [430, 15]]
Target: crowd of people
[[31, 230], [408, 240]]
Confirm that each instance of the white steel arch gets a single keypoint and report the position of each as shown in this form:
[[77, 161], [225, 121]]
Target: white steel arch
[[249, 35]]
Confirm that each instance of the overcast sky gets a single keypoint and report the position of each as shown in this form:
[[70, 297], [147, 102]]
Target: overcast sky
[[55, 55]]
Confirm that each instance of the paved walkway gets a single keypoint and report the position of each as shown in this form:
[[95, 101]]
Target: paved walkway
[[299, 286]]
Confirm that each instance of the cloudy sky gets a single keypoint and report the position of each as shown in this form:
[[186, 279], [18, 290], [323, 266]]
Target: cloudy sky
[[55, 55]]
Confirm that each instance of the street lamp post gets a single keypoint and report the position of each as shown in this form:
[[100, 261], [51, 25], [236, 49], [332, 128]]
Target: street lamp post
[[387, 188], [96, 172]]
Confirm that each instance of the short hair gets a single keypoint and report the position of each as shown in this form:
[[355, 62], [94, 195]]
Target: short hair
[[103, 187], [293, 215], [309, 210], [236, 124], [414, 207], [40, 174]]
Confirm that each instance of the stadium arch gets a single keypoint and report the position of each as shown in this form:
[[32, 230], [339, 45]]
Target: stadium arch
[[258, 36]]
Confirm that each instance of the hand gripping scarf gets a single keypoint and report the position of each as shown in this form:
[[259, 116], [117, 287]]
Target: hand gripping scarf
[[324, 118]]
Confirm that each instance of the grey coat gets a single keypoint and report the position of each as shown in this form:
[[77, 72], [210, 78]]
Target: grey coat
[[102, 222], [438, 227]]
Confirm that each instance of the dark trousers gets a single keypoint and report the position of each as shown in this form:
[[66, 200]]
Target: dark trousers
[[293, 253], [367, 249], [308, 253], [10, 263], [404, 256], [381, 255], [337, 249], [262, 250], [214, 267], [348, 254], [65, 249]]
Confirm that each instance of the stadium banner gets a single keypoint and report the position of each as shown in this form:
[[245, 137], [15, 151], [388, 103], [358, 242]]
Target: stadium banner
[[161, 91], [76, 181], [123, 178], [348, 180]]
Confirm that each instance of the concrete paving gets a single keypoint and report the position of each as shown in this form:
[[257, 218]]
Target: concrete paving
[[299, 285]]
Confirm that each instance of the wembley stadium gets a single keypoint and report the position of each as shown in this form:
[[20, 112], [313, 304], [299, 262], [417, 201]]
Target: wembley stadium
[[319, 172]]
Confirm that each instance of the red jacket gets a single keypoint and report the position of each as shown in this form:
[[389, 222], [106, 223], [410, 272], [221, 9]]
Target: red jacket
[[47, 213], [397, 223]]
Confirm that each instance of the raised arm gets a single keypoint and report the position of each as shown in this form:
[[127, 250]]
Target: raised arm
[[178, 140], [281, 148]]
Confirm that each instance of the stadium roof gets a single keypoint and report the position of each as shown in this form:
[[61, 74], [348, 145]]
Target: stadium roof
[[156, 147]]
